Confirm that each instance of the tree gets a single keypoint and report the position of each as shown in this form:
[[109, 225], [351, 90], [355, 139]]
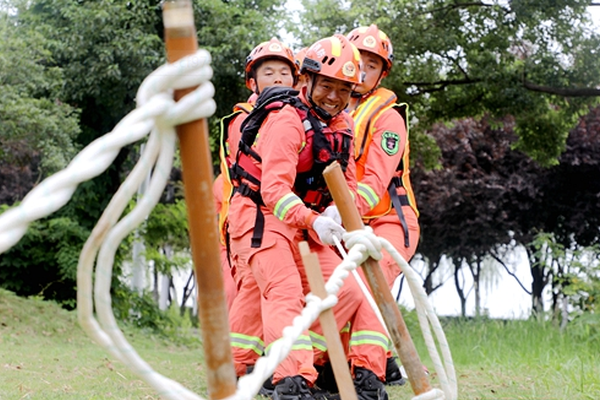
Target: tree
[[487, 196], [533, 60], [102, 50], [37, 130]]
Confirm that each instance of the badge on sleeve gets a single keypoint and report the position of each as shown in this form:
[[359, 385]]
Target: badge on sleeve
[[390, 141]]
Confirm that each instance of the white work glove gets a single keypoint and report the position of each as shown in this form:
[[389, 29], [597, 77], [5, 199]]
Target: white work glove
[[333, 213], [327, 228]]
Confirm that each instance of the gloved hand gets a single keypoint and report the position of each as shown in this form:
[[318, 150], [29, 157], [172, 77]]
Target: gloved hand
[[333, 213], [327, 228]]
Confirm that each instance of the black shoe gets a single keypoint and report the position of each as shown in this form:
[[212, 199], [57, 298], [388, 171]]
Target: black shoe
[[292, 388], [320, 394], [368, 386], [326, 378], [393, 376], [267, 386]]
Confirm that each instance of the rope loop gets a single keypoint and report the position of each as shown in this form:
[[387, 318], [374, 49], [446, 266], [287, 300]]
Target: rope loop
[[367, 238]]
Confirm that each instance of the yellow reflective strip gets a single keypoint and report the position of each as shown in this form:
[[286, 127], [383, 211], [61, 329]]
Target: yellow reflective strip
[[370, 338], [362, 110], [246, 342], [302, 343], [336, 47], [318, 341], [368, 194], [284, 204]]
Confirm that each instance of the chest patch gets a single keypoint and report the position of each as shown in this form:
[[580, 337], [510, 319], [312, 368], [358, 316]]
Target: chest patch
[[390, 142]]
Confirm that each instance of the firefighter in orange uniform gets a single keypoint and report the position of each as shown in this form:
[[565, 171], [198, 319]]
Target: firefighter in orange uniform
[[280, 199], [270, 63], [385, 197], [386, 200]]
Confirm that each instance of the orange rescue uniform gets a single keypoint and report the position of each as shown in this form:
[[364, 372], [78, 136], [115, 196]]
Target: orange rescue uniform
[[382, 157], [245, 322], [276, 265]]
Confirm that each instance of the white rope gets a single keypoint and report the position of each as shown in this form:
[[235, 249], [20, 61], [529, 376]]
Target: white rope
[[445, 370], [154, 93], [361, 284], [427, 316], [370, 246]]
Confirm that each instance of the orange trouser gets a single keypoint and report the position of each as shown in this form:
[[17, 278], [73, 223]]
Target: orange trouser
[[390, 228], [245, 320], [279, 275]]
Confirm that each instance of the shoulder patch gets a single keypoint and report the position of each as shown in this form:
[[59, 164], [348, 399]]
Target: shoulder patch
[[390, 142]]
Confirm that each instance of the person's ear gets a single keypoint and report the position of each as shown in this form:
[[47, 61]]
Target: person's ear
[[253, 85]]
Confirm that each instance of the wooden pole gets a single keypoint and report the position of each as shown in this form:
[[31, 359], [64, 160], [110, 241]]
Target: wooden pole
[[335, 349], [379, 288], [180, 41]]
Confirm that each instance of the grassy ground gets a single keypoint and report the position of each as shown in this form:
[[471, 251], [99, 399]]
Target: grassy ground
[[45, 355]]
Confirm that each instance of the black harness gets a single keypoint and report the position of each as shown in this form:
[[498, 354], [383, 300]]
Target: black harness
[[309, 185]]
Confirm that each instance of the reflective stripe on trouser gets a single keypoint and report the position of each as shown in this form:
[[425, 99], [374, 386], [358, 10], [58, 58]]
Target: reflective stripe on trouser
[[352, 307], [245, 321], [281, 297], [389, 228]]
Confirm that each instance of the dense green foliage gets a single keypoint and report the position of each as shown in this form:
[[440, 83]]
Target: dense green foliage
[[32, 112], [83, 64]]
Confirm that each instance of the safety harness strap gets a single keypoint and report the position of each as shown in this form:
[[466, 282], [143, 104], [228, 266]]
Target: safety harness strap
[[398, 202]]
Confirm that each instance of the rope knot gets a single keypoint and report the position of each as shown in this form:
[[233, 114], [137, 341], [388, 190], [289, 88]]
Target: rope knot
[[367, 238]]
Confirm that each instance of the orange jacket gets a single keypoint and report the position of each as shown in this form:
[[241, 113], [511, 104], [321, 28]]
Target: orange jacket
[[381, 144], [279, 143]]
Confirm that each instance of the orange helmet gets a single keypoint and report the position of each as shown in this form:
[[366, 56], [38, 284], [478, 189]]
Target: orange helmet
[[373, 40], [273, 49], [299, 56], [334, 57]]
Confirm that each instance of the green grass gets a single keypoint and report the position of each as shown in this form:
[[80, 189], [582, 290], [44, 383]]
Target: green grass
[[44, 354]]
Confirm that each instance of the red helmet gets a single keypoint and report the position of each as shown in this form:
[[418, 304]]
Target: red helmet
[[273, 49], [373, 40], [334, 57]]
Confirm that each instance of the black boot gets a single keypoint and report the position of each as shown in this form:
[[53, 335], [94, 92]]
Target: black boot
[[292, 388], [368, 386], [326, 378], [267, 387], [393, 376]]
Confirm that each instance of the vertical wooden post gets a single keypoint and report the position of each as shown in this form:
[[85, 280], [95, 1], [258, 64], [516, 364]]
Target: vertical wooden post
[[180, 41], [381, 293], [336, 352]]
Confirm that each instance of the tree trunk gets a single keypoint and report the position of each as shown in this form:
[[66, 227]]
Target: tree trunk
[[155, 278], [460, 291], [565, 312], [476, 273], [428, 281]]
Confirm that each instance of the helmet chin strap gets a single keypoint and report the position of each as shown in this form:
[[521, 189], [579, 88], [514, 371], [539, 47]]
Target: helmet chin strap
[[356, 95]]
